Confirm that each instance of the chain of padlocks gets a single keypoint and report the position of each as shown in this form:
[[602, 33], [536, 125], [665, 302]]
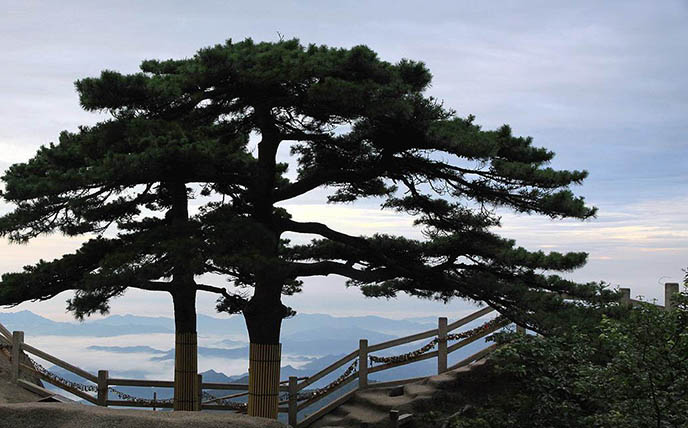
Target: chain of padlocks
[[92, 388], [233, 405], [430, 345], [322, 391]]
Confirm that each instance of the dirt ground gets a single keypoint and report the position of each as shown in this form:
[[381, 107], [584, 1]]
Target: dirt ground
[[61, 415], [19, 409], [9, 392]]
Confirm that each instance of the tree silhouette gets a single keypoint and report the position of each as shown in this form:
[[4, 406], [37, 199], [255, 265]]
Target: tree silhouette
[[129, 174], [358, 127]]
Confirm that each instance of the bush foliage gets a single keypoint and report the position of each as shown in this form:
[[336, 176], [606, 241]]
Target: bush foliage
[[627, 371]]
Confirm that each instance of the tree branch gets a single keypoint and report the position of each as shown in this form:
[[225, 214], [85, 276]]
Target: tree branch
[[300, 187], [344, 269], [152, 285], [212, 289], [324, 231], [320, 178]]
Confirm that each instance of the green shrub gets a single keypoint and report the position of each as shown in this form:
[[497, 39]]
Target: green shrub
[[630, 371]]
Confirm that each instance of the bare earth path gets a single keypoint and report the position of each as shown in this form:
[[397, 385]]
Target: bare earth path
[[61, 415], [9, 392]]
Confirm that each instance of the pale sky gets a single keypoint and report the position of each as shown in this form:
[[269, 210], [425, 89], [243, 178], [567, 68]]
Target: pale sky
[[603, 84]]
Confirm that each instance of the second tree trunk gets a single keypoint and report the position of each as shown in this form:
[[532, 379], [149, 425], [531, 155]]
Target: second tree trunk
[[186, 388], [263, 321]]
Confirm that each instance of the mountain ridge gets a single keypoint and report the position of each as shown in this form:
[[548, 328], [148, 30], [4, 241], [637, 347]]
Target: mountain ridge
[[118, 325]]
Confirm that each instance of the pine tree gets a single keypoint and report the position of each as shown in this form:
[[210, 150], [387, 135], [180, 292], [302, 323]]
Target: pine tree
[[126, 177], [358, 126]]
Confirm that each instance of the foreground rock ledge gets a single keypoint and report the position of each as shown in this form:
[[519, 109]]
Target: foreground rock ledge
[[59, 415]]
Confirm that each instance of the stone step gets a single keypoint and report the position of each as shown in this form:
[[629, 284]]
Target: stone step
[[362, 414], [372, 407], [419, 390], [338, 412], [381, 400], [445, 379], [328, 421], [477, 363]]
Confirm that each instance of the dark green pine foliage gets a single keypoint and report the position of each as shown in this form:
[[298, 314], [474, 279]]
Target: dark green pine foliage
[[363, 128], [130, 175], [126, 183], [358, 126]]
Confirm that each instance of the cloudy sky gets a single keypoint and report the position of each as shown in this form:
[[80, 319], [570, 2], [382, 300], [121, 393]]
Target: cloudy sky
[[603, 84]]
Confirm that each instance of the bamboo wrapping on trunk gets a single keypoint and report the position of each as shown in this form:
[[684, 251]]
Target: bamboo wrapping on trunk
[[185, 372], [264, 375]]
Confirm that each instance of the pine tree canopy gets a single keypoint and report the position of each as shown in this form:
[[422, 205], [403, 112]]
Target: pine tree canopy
[[358, 126]]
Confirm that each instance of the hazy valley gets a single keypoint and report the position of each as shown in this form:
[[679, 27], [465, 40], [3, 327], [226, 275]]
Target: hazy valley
[[140, 347]]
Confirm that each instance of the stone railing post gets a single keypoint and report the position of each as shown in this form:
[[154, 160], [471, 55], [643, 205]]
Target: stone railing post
[[17, 342], [102, 387], [625, 299], [199, 382], [363, 364], [293, 401], [441, 345], [670, 289]]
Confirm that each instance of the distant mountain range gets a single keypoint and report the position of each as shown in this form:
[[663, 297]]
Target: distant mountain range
[[309, 342], [230, 354], [127, 349], [304, 336], [36, 325], [118, 325]]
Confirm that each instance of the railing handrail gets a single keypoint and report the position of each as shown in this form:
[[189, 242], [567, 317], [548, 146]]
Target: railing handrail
[[67, 388], [402, 340], [5, 333], [327, 370], [140, 382], [58, 362], [386, 345], [429, 333], [468, 318], [460, 344], [304, 381], [396, 342], [225, 397], [16, 341], [25, 347]]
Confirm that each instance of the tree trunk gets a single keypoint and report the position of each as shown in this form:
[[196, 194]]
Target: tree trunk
[[264, 312], [185, 350], [184, 298], [263, 315]]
